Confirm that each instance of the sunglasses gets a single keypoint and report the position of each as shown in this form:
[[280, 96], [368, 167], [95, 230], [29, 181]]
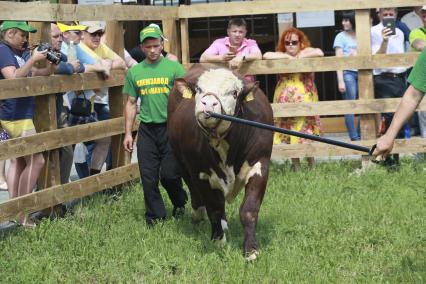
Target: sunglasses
[[292, 42], [76, 32], [99, 34]]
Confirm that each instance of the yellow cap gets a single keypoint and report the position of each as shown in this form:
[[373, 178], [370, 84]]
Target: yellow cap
[[66, 28]]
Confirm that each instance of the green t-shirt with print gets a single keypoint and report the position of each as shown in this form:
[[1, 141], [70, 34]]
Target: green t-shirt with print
[[417, 76], [152, 83]]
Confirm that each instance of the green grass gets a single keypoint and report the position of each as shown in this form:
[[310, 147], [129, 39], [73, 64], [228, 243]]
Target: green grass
[[323, 225]]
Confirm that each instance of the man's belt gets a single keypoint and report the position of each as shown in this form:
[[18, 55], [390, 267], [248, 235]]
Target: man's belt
[[393, 75]]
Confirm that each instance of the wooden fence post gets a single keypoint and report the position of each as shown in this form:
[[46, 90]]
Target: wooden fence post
[[115, 40], [45, 117], [184, 34], [170, 32], [365, 77]]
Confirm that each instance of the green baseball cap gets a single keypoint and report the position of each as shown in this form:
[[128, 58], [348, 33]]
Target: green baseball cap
[[151, 31], [6, 25]]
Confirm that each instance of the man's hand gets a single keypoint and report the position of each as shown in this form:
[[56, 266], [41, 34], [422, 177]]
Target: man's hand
[[386, 33], [128, 143], [342, 87], [75, 65], [236, 63], [228, 56], [383, 147], [38, 55]]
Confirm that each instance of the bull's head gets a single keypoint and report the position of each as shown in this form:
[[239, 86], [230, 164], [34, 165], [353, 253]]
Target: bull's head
[[216, 90]]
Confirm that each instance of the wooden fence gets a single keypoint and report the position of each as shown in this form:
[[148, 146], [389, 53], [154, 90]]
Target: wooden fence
[[174, 18]]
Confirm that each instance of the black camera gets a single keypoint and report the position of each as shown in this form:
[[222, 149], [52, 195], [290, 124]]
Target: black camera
[[51, 55]]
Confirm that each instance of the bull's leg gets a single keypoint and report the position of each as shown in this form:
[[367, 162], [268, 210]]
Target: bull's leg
[[198, 206], [254, 192], [216, 213]]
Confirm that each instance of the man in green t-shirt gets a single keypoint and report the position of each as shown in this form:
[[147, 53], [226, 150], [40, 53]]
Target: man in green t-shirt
[[411, 99], [151, 81]]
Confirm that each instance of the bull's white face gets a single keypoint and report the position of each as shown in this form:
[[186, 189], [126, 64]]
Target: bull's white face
[[217, 91]]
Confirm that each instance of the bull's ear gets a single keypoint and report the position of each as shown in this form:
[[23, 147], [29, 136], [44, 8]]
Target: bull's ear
[[183, 88], [249, 90]]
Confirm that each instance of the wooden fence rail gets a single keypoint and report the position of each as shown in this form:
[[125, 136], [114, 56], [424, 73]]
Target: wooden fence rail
[[72, 12]]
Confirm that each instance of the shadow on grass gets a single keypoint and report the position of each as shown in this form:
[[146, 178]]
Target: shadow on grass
[[234, 234]]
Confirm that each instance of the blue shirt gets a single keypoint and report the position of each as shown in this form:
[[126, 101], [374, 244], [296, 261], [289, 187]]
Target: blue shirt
[[17, 108], [82, 55], [84, 59], [66, 68], [347, 44]]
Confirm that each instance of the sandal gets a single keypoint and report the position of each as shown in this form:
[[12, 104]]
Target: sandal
[[3, 186], [28, 223]]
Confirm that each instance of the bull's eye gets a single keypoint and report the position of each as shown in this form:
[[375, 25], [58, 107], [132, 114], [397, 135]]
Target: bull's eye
[[235, 95], [198, 89]]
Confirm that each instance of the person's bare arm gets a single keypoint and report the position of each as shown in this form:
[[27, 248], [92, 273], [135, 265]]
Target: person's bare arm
[[216, 58], [405, 110], [253, 56], [129, 118], [419, 44], [340, 82], [277, 55], [386, 33], [310, 52], [118, 63], [11, 72]]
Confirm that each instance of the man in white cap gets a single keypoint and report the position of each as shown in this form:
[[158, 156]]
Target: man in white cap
[[93, 45]]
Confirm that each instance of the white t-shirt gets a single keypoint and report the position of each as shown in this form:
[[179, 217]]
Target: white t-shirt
[[412, 20], [396, 45]]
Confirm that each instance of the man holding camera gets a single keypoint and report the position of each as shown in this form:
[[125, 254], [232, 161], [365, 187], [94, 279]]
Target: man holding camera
[[16, 114], [388, 82]]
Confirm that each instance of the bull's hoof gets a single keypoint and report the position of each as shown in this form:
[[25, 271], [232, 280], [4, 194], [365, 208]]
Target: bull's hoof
[[198, 215], [251, 256], [221, 242]]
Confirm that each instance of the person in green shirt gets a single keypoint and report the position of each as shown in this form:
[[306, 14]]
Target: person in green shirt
[[151, 81], [409, 102]]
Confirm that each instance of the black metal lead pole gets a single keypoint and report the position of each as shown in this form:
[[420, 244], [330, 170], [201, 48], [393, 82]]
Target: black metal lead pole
[[291, 132]]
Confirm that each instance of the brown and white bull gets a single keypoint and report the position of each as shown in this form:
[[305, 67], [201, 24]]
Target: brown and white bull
[[219, 158]]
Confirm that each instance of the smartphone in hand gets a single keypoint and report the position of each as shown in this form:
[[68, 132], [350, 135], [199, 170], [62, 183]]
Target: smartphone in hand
[[389, 22], [233, 49]]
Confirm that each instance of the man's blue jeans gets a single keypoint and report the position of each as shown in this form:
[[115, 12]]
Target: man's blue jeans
[[351, 83]]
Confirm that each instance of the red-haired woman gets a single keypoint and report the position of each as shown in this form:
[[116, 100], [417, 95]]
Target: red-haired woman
[[295, 88]]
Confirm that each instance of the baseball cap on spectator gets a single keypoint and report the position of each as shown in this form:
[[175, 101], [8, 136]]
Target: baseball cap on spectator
[[23, 26], [151, 31], [94, 26], [66, 28]]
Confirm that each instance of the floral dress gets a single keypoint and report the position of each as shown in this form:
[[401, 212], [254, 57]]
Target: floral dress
[[296, 88]]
